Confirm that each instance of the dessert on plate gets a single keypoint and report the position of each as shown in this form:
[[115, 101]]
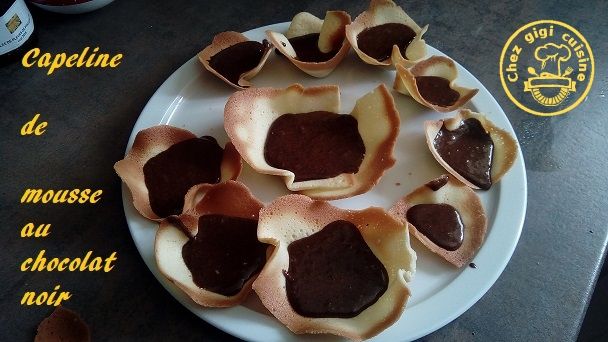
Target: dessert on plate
[[165, 162], [471, 148], [336, 271], [446, 216], [212, 252], [296, 133], [313, 45], [384, 34], [431, 83], [234, 58]]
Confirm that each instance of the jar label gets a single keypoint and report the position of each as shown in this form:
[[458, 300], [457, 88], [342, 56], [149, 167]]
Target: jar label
[[16, 26]]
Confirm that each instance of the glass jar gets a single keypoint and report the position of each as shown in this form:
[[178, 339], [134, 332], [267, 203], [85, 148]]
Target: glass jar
[[16, 30]]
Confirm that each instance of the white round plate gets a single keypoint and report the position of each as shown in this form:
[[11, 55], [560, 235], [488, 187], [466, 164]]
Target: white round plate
[[194, 99]]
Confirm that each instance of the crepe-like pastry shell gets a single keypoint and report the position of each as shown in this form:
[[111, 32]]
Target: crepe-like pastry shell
[[405, 81], [249, 114], [152, 141], [385, 12], [464, 200], [505, 146], [225, 40], [231, 199], [293, 217], [332, 35]]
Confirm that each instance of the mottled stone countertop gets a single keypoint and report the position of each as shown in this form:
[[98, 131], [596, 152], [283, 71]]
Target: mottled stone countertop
[[542, 294]]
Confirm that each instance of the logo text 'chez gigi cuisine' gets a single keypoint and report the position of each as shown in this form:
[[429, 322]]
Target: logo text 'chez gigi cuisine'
[[546, 68]]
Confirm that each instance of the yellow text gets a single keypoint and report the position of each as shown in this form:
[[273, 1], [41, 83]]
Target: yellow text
[[579, 50], [54, 298], [30, 230], [86, 58], [511, 69], [538, 33], [30, 127], [61, 196], [88, 263]]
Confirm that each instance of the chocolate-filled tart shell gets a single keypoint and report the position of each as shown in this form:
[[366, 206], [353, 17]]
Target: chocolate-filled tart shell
[[250, 56], [384, 34], [153, 144], [230, 200], [329, 50], [431, 83], [467, 162], [294, 218], [433, 228], [250, 114], [63, 325]]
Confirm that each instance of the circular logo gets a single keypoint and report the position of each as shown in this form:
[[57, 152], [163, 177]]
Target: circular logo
[[546, 68]]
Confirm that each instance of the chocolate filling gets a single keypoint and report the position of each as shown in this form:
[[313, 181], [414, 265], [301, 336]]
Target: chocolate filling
[[377, 42], [170, 174], [239, 58], [440, 223], [315, 145], [224, 254], [436, 90], [468, 150], [63, 325], [437, 183], [307, 49], [333, 273]]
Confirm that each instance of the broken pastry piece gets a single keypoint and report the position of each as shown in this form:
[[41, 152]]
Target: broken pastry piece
[[471, 148], [342, 272], [297, 134], [212, 252], [431, 83], [63, 325], [165, 162], [447, 217], [313, 45], [234, 58], [384, 34]]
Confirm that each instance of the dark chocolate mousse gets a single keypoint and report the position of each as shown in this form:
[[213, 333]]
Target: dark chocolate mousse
[[437, 90], [315, 145], [377, 41], [307, 49], [333, 273], [437, 183], [468, 150], [239, 58], [170, 174], [224, 254], [440, 223]]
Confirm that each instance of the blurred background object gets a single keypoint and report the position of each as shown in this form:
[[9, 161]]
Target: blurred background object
[[16, 31], [70, 6]]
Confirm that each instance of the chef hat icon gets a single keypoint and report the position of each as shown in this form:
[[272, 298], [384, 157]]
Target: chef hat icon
[[552, 52]]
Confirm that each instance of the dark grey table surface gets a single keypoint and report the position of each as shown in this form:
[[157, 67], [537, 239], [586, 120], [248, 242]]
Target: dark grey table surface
[[542, 294]]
